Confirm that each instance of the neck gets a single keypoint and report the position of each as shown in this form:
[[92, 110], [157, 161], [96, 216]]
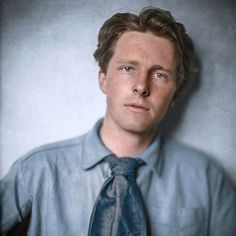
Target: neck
[[125, 143]]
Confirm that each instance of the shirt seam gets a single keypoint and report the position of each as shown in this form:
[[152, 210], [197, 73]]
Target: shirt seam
[[43, 149], [13, 216], [25, 189]]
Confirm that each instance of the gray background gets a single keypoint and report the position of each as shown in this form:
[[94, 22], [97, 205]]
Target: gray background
[[49, 88]]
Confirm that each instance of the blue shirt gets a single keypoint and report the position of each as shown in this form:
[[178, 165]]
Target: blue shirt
[[184, 193]]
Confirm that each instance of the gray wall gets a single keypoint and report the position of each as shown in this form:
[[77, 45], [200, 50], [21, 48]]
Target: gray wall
[[49, 86]]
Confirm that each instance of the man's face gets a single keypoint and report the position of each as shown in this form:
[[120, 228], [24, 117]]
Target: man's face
[[139, 83]]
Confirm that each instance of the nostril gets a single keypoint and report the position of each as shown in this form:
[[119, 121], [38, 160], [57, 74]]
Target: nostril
[[141, 89], [146, 93], [135, 91], [141, 92]]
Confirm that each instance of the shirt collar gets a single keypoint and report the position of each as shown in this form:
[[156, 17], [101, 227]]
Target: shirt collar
[[151, 156], [94, 151]]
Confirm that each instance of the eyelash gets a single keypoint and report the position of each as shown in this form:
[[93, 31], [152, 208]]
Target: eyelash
[[127, 69], [155, 75], [159, 75]]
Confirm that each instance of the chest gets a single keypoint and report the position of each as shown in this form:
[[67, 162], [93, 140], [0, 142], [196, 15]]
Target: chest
[[172, 209]]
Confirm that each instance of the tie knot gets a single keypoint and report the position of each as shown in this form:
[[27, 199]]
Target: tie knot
[[124, 165]]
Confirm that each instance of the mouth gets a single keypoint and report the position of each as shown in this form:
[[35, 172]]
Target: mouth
[[136, 107]]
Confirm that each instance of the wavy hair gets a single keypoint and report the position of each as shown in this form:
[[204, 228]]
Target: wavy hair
[[157, 21]]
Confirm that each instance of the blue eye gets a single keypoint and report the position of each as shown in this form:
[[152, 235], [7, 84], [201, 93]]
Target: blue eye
[[127, 69], [159, 75]]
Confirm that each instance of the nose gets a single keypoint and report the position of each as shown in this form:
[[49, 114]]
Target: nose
[[141, 87]]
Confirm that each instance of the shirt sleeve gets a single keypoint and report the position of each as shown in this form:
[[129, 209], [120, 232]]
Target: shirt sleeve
[[15, 202], [223, 206]]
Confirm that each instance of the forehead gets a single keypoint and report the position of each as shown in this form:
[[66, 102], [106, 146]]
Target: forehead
[[135, 45]]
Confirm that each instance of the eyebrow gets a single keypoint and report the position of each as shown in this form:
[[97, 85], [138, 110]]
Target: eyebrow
[[132, 62], [154, 67]]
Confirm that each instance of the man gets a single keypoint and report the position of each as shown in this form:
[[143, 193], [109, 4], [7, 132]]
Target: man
[[145, 61]]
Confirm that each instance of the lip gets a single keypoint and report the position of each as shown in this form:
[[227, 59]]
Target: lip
[[136, 107]]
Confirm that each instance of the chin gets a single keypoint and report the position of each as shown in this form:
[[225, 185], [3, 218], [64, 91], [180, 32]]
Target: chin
[[139, 128]]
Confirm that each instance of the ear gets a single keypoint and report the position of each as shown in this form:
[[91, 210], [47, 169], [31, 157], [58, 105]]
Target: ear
[[103, 81]]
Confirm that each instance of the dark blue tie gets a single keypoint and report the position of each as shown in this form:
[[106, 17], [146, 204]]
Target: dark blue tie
[[119, 209]]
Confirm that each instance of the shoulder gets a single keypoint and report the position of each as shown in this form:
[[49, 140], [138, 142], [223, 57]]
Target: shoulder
[[59, 146], [181, 152], [54, 155], [193, 167], [185, 159], [42, 165]]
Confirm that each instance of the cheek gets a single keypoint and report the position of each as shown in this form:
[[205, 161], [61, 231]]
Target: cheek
[[164, 97], [114, 93], [115, 88], [170, 91], [170, 94]]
